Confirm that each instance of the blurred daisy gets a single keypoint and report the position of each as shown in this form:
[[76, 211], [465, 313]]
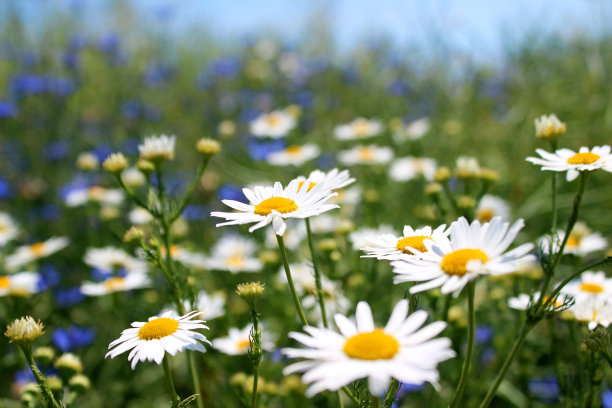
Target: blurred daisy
[[237, 341], [590, 284], [411, 243], [360, 128], [139, 216], [363, 237], [524, 301], [490, 206], [371, 154], [401, 350], [157, 148], [19, 284], [411, 131], [150, 341], [409, 168], [188, 258], [549, 126], [594, 312], [349, 197], [133, 177], [334, 179], [293, 237], [582, 241], [567, 160], [275, 204], [94, 194], [467, 167], [209, 306], [8, 229], [133, 280], [110, 259], [276, 124], [324, 223], [334, 301], [294, 155], [28, 253], [472, 250], [235, 254]]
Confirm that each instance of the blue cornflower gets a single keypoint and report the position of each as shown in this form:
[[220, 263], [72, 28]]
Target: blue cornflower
[[229, 192], [545, 389], [7, 109], [73, 337], [195, 212], [483, 334], [66, 297]]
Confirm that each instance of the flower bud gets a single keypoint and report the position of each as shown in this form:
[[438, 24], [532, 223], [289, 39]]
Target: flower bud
[[145, 166], [55, 383], [79, 383], [44, 355], [134, 234], [24, 331], [87, 161], [433, 189], [489, 175], [68, 365], [226, 128], [549, 127], [467, 168], [442, 175], [208, 147], [251, 292], [466, 203], [115, 163], [598, 339]]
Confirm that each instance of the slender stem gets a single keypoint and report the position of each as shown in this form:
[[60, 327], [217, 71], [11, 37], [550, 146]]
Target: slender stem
[[451, 197], [560, 286], [255, 347], [607, 357], [296, 299], [317, 275], [134, 197], [191, 189], [195, 378], [553, 230], [40, 378], [470, 345], [502, 373], [175, 397]]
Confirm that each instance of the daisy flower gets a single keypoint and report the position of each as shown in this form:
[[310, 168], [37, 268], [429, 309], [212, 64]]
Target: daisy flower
[[276, 204], [157, 148], [567, 160], [467, 167], [360, 128], [549, 126], [110, 259], [139, 216], [590, 284], [594, 312], [524, 301], [371, 154], [19, 284], [582, 241], [293, 236], [334, 179], [411, 243], [411, 131], [235, 254], [276, 124], [294, 155], [402, 350], [209, 306], [28, 253], [133, 280], [237, 341], [363, 237], [150, 341], [490, 206], [8, 229], [188, 258], [472, 250], [408, 168], [95, 194]]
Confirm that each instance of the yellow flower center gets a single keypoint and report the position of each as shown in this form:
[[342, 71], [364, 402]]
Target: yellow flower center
[[374, 345], [455, 263], [38, 248], [281, 204], [583, 158], [412, 242], [96, 193], [3, 227], [572, 242], [365, 153], [5, 282], [591, 287], [273, 120], [485, 214], [115, 283], [235, 261], [243, 344], [310, 186], [158, 328], [361, 128], [293, 150]]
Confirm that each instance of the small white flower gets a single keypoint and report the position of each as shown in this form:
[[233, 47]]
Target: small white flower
[[363, 237], [574, 163], [19, 284], [294, 155], [523, 301], [150, 341], [403, 350], [594, 311], [8, 229], [467, 167], [157, 148], [276, 124], [491, 206], [582, 241], [371, 154], [412, 131], [109, 259], [140, 216], [334, 179], [276, 204], [473, 249], [589, 285], [235, 254], [133, 280], [549, 126], [237, 341], [411, 243], [360, 128], [28, 253], [94, 194], [408, 168]]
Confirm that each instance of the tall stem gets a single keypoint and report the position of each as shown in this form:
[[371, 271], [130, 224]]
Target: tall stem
[[296, 299], [175, 397], [191, 189], [317, 275], [553, 230], [470, 345], [256, 359], [40, 378]]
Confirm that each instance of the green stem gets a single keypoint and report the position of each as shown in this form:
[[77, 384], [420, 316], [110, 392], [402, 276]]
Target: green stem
[[296, 299], [135, 198], [175, 397], [553, 231], [559, 287], [255, 359], [607, 357], [317, 275], [470, 345], [195, 378], [191, 189], [349, 394], [451, 197], [502, 373], [40, 378]]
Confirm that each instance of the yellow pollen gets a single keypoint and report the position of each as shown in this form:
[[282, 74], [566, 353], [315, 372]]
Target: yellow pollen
[[485, 215], [374, 345], [293, 150], [158, 328], [572, 242], [243, 344], [455, 263], [115, 283], [583, 158], [273, 120], [5, 282], [38, 248], [591, 287], [412, 242], [235, 261], [365, 153], [280, 204], [361, 128], [310, 186]]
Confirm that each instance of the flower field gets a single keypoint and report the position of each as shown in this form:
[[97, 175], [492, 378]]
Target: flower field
[[265, 224]]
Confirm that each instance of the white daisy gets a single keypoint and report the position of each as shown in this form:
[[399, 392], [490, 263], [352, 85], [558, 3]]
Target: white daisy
[[275, 204], [472, 250], [568, 160], [350, 197], [582, 241], [360, 128], [157, 148], [334, 179], [363, 237], [235, 254], [133, 177], [408, 168], [523, 301], [294, 155], [334, 301], [399, 350], [150, 341], [547, 126], [209, 306], [19, 284], [237, 341], [595, 311], [133, 280], [491, 206], [28, 253], [109, 259], [293, 237], [590, 284], [324, 223], [187, 258], [371, 154], [389, 246], [140, 216], [276, 124], [467, 167], [8, 229], [95, 194], [411, 131]]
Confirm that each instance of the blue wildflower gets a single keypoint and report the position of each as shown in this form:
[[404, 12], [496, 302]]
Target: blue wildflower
[[66, 297], [73, 337], [545, 389], [7, 109], [195, 212], [229, 192], [259, 149], [483, 334]]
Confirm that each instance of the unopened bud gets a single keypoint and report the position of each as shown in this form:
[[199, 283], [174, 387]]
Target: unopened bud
[[24, 331], [68, 365], [115, 163], [442, 175], [79, 383], [87, 161], [134, 234], [251, 291], [598, 339], [44, 355], [208, 146]]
